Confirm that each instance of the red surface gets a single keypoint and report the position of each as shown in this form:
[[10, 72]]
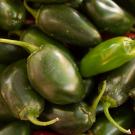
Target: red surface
[[130, 35], [133, 131]]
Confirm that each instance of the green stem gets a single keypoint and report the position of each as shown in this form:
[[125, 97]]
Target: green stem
[[27, 46], [40, 123], [32, 11], [106, 106], [97, 100]]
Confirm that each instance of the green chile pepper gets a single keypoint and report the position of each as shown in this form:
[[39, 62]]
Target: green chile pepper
[[10, 53], [108, 55], [16, 128], [103, 127], [22, 100], [67, 25], [5, 113], [74, 118], [119, 82], [74, 3], [49, 71], [108, 16], [12, 14]]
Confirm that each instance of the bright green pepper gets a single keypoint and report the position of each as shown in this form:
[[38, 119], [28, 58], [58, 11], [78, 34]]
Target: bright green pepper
[[67, 25], [108, 16], [21, 99], [49, 71], [16, 128], [12, 14], [108, 55]]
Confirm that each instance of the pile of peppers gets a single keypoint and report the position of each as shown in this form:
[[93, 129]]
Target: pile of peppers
[[67, 67]]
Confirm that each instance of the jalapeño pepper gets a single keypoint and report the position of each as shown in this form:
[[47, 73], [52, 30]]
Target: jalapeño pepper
[[12, 14], [103, 127], [67, 25], [49, 71], [22, 100], [16, 128], [108, 55], [119, 82], [108, 16], [74, 118]]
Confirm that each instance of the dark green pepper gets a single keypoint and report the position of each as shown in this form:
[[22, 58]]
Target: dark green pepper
[[103, 127], [108, 55], [12, 14], [49, 71], [5, 113], [108, 16], [119, 82], [22, 100], [67, 25], [74, 3], [10, 53], [74, 118], [16, 128]]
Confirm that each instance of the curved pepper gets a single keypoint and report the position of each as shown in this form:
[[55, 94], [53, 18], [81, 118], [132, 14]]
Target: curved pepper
[[103, 127], [108, 16], [16, 128], [49, 71], [12, 14], [119, 82], [108, 55], [22, 100], [74, 118], [66, 25]]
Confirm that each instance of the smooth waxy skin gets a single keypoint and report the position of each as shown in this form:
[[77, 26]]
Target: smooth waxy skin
[[53, 73], [16, 128], [10, 53], [67, 25], [103, 127], [18, 94], [119, 82], [74, 119], [108, 16], [12, 14], [107, 56]]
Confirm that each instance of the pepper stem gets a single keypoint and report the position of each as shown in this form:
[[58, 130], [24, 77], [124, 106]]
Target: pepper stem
[[96, 101], [32, 11], [106, 106], [40, 123], [27, 46]]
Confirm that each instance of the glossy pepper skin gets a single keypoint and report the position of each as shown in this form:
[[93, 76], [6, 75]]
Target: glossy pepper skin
[[108, 16], [16, 91], [67, 25], [12, 14], [107, 56], [75, 119], [35, 36], [49, 71], [16, 128], [103, 127], [118, 84], [5, 113], [10, 53]]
